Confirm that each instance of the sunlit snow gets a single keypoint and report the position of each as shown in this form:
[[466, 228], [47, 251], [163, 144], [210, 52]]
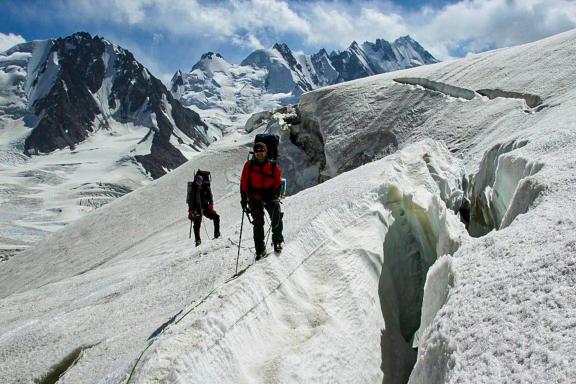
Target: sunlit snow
[[379, 280]]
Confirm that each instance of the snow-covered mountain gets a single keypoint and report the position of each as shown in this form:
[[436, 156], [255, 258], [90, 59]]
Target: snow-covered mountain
[[82, 122], [440, 248], [70, 88], [270, 78]]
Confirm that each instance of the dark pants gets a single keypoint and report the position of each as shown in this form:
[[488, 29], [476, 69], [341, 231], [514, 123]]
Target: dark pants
[[210, 214], [257, 209]]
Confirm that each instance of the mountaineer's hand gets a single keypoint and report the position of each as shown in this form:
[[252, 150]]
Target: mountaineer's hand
[[276, 196]]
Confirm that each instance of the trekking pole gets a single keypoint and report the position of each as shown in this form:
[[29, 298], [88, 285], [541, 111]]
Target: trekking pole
[[190, 235], [239, 242], [206, 230]]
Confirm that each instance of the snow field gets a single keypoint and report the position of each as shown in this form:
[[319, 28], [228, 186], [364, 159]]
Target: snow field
[[68, 184]]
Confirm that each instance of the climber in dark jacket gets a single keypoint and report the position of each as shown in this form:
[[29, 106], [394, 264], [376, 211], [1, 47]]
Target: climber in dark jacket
[[260, 189], [201, 203]]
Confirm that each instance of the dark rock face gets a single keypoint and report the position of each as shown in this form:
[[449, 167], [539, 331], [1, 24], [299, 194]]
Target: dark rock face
[[350, 65], [423, 53], [287, 55], [68, 111], [177, 80], [385, 49], [324, 71], [373, 58], [303, 84]]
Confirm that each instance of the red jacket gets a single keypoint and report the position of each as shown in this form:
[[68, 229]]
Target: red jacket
[[260, 181]]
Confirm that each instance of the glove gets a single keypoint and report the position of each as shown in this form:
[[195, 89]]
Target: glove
[[276, 196], [191, 214], [210, 206]]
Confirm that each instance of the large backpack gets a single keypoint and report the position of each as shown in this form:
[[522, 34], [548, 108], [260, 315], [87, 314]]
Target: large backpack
[[205, 175], [207, 180], [272, 142]]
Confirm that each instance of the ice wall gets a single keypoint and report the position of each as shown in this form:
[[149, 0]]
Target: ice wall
[[503, 187], [446, 89], [424, 227], [531, 100]]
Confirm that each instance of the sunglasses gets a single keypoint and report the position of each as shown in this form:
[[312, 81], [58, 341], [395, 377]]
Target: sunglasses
[[259, 150]]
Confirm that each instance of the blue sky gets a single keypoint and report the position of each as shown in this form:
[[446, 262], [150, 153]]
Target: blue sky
[[166, 35]]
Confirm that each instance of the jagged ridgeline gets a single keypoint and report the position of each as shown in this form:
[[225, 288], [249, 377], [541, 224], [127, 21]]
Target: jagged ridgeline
[[72, 87], [281, 76]]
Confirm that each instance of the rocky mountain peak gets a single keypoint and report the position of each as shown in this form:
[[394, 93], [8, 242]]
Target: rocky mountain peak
[[210, 56], [281, 47], [287, 54], [405, 39], [321, 52], [83, 83], [278, 71]]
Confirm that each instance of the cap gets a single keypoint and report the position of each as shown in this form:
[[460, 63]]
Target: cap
[[260, 147]]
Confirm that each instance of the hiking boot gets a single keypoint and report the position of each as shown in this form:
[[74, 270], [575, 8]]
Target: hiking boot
[[278, 246], [260, 254], [216, 235], [198, 242]]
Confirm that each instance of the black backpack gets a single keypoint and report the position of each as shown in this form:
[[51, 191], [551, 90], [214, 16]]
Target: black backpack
[[205, 175], [272, 142], [207, 180]]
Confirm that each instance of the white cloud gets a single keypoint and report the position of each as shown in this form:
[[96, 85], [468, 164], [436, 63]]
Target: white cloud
[[248, 41], [477, 25], [191, 17], [9, 40], [338, 27], [468, 25]]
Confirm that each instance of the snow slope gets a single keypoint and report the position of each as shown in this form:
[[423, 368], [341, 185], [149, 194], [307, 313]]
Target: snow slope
[[376, 258], [96, 272]]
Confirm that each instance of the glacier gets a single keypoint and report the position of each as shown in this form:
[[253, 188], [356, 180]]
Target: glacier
[[431, 241]]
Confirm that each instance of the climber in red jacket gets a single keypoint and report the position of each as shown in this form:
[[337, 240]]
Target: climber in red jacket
[[260, 189]]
